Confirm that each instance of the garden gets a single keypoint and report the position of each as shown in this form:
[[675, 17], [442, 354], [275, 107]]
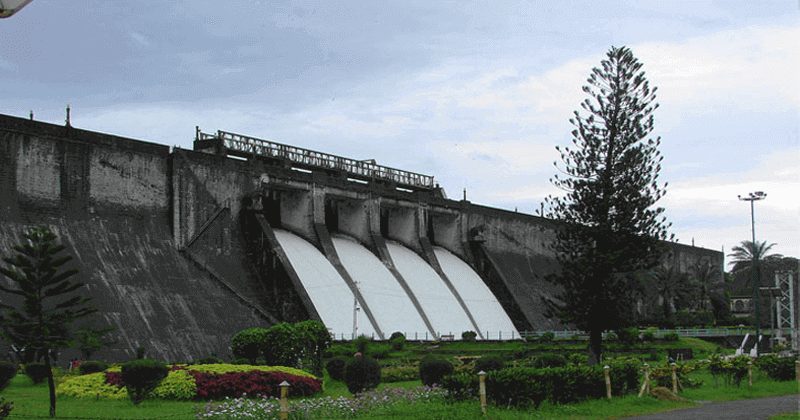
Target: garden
[[365, 379]]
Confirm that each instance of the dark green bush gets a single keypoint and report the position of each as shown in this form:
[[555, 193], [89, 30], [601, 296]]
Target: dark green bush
[[546, 360], [361, 344], [648, 336], [516, 387], [380, 351], [397, 340], [461, 386], [7, 372], [625, 375], [36, 371], [336, 368], [628, 336], [469, 335], [731, 370], [140, 352], [92, 366], [489, 363], [248, 343], [314, 341], [671, 336], [777, 368], [432, 370], [140, 376], [547, 337], [5, 408], [362, 373], [282, 345]]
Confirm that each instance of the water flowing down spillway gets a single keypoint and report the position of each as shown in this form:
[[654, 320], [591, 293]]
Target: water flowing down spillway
[[389, 303], [481, 302], [440, 305], [328, 291]]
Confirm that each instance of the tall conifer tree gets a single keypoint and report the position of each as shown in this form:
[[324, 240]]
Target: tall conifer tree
[[48, 303], [610, 182]]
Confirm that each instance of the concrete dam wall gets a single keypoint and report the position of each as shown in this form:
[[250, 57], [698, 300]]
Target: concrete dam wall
[[182, 248]]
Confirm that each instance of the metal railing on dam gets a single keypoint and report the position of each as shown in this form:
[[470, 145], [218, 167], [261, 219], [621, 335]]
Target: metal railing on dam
[[245, 146]]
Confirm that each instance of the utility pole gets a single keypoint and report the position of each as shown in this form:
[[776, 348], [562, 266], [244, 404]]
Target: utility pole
[[752, 198], [356, 308]]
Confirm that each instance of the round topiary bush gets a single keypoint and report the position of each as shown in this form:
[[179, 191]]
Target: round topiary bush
[[141, 376], [92, 366], [432, 370], [336, 368], [248, 343], [7, 371], [397, 340], [362, 373], [469, 335], [549, 360], [489, 363], [36, 371]]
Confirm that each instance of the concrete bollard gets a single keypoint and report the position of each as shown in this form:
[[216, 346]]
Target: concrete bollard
[[674, 378], [482, 389], [606, 369], [284, 403], [750, 373]]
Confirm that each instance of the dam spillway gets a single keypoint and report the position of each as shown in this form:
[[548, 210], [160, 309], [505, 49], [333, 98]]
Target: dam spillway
[[327, 290], [391, 305], [490, 316], [436, 300]]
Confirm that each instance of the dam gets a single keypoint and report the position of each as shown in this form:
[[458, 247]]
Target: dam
[[181, 248]]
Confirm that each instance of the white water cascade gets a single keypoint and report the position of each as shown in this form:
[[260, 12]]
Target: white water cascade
[[389, 303], [481, 302], [437, 301], [328, 291]]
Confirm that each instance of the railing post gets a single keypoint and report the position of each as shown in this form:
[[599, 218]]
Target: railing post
[[749, 373], [646, 383], [482, 390], [674, 378], [606, 368]]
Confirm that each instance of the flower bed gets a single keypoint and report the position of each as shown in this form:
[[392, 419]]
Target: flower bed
[[213, 381]]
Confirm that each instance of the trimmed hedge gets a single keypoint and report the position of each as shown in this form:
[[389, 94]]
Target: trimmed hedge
[[777, 368], [36, 371], [432, 370], [92, 366], [528, 387], [469, 336], [362, 373], [249, 343], [142, 376], [489, 363], [7, 372], [335, 368]]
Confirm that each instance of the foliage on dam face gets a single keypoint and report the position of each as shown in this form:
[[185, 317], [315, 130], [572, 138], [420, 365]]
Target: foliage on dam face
[[610, 184]]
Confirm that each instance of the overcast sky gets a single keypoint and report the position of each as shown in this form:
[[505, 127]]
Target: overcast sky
[[477, 94]]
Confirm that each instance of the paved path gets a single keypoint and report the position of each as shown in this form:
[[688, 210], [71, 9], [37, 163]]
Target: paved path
[[757, 408]]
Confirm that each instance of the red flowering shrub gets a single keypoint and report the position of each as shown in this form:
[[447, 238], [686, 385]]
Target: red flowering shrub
[[114, 378], [235, 384]]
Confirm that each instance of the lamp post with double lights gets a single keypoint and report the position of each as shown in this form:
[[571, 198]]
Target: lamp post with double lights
[[752, 198]]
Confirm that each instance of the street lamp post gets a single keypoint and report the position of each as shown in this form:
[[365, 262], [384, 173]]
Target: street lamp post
[[752, 198]]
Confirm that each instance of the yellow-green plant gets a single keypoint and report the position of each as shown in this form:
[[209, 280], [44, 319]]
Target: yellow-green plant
[[92, 385], [178, 385], [221, 368]]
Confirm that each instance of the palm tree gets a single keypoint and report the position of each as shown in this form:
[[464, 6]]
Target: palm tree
[[742, 255], [705, 281]]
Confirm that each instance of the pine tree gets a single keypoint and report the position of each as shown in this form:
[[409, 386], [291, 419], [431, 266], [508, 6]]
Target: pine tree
[[610, 184], [47, 305]]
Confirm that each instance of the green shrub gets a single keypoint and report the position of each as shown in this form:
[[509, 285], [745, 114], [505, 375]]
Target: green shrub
[[36, 371], [379, 352], [469, 335], [648, 336], [516, 387], [673, 336], [546, 360], [461, 386], [92, 366], [177, 385], [777, 368], [489, 363], [313, 340], [731, 370], [432, 370], [628, 336], [362, 373], [577, 359], [625, 374], [5, 408], [141, 376], [92, 385], [249, 343], [211, 360], [361, 344], [547, 337], [7, 372], [336, 368], [397, 341], [399, 373]]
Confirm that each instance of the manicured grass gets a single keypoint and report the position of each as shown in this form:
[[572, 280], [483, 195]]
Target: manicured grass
[[763, 386]]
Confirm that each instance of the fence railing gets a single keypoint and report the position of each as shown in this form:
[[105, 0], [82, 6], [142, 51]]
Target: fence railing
[[363, 169]]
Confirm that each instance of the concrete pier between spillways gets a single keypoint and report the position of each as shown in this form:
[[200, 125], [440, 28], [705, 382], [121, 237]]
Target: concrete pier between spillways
[[170, 244]]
